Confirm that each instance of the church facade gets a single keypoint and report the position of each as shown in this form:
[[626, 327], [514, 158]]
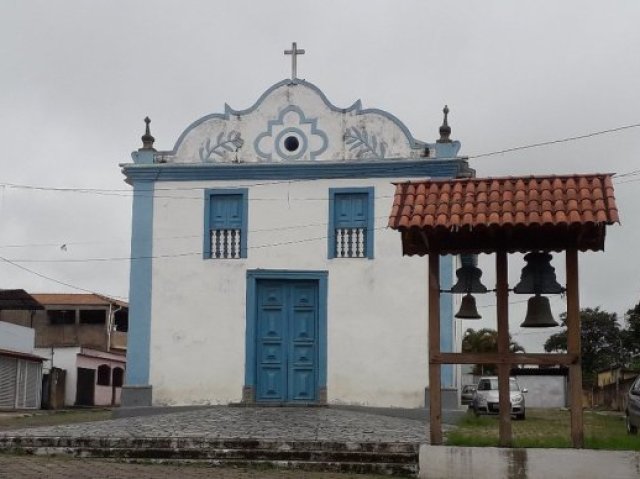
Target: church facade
[[262, 270]]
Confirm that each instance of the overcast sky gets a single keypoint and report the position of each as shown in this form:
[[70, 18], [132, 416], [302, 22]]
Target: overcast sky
[[78, 77]]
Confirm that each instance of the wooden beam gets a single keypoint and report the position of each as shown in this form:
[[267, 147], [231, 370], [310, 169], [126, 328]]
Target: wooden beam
[[542, 359], [573, 347], [435, 395], [502, 296]]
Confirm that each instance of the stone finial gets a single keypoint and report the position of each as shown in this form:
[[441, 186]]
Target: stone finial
[[147, 139], [445, 129]]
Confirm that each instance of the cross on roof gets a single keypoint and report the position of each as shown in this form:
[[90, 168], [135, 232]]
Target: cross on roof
[[294, 52]]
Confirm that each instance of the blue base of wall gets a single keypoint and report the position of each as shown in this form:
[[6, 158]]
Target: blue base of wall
[[449, 398]]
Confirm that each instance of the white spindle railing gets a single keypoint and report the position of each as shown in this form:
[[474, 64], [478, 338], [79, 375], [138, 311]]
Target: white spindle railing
[[351, 242], [225, 243]]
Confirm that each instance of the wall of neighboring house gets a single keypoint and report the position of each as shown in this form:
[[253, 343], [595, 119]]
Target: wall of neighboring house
[[545, 391], [20, 376], [377, 328], [71, 333], [16, 338], [63, 358], [72, 358], [106, 392]]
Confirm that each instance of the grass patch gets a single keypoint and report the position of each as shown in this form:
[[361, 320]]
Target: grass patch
[[546, 428], [10, 421]]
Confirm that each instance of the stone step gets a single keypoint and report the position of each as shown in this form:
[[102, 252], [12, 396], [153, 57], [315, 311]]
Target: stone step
[[388, 469], [204, 443], [226, 454], [354, 457]]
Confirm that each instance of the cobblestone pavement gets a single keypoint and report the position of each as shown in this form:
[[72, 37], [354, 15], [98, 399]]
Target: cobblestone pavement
[[304, 424], [29, 467]]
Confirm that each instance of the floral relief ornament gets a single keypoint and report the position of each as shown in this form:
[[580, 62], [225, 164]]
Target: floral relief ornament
[[363, 144], [223, 144]]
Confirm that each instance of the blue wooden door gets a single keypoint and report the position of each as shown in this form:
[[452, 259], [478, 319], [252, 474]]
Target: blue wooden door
[[287, 341]]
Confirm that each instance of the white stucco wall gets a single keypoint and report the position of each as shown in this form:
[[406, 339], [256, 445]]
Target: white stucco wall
[[377, 326], [16, 338]]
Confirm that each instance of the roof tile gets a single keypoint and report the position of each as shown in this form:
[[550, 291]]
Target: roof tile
[[505, 202]]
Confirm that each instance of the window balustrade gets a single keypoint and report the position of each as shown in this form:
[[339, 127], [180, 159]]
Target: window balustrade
[[351, 242], [226, 243]]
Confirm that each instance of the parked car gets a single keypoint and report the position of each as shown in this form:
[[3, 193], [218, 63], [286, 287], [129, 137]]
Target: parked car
[[486, 401], [632, 415], [466, 397]]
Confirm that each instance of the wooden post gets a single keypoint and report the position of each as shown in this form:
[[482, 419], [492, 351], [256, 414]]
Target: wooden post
[[573, 346], [435, 406], [502, 296]]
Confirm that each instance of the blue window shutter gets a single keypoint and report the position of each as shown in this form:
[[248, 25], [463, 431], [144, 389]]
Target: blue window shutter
[[351, 208], [226, 210]]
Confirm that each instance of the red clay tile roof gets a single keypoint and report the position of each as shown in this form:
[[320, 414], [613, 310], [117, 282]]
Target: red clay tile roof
[[511, 213], [72, 299]]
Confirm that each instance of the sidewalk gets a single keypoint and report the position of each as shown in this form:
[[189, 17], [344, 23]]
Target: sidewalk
[[28, 467]]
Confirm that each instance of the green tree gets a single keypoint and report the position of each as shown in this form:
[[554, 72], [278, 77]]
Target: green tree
[[601, 341], [485, 340], [630, 336]]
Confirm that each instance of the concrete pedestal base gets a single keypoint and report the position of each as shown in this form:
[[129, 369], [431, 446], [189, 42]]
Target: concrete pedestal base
[[444, 462], [136, 396]]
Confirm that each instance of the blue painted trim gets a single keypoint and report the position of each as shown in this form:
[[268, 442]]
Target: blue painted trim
[[400, 168], [331, 234], [446, 318], [276, 141], [208, 194], [356, 107], [253, 276], [140, 285]]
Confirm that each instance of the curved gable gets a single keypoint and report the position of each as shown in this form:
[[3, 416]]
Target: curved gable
[[293, 121]]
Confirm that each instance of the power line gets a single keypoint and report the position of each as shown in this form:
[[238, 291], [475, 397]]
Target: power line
[[172, 255], [129, 193], [511, 302], [629, 173], [555, 142], [632, 180], [57, 244], [49, 278]]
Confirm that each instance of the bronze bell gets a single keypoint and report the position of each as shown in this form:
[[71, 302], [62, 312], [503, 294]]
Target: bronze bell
[[468, 308], [538, 313], [468, 280], [538, 276]]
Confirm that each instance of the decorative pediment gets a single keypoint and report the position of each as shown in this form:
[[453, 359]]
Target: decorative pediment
[[293, 121]]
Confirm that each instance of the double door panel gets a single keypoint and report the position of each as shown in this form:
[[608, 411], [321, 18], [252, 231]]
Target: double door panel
[[287, 341]]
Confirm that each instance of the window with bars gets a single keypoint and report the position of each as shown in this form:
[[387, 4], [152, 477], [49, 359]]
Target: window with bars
[[225, 235], [351, 222], [104, 375]]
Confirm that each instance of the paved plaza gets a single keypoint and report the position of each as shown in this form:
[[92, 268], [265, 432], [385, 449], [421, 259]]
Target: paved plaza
[[337, 428], [221, 422]]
